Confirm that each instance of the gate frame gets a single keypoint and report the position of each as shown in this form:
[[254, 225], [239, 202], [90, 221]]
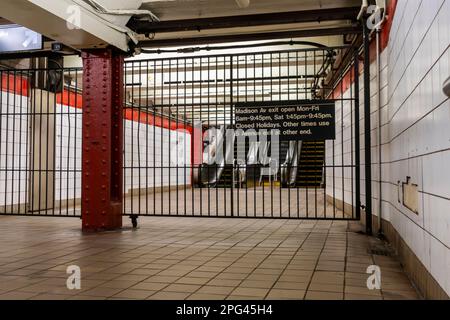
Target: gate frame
[[356, 205]]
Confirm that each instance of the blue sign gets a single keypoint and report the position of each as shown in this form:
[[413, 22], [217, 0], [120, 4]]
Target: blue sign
[[15, 38]]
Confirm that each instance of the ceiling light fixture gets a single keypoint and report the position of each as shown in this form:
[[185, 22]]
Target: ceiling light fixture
[[243, 3]]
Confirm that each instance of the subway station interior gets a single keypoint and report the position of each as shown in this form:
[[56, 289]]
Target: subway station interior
[[224, 150]]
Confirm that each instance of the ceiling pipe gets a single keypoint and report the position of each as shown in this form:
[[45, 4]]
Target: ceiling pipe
[[121, 12], [364, 6], [243, 3]]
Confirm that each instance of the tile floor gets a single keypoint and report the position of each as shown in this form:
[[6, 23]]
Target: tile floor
[[194, 258]]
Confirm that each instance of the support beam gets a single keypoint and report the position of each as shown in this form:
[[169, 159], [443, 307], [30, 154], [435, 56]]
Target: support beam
[[102, 140], [249, 37], [252, 20]]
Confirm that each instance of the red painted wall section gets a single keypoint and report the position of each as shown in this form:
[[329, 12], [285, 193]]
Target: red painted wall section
[[154, 120], [70, 98], [14, 84]]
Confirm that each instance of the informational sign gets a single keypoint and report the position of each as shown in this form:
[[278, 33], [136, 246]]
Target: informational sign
[[15, 38], [302, 120]]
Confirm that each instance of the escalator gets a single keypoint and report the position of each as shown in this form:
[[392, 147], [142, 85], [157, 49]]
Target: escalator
[[215, 171], [304, 164], [289, 168]]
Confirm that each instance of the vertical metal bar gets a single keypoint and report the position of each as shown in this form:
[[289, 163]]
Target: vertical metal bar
[[154, 137], [177, 105], [235, 163], [147, 125], [200, 107], [357, 138], [280, 88], [209, 121], [342, 145], [75, 144], [138, 136], [367, 130], [161, 130], [13, 137], [352, 164], [209, 126], [232, 126]]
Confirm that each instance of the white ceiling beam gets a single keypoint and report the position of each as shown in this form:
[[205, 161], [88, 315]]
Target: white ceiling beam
[[66, 21]]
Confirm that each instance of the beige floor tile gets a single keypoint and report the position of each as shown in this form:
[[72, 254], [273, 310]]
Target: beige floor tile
[[224, 283], [326, 287], [150, 286], [46, 296], [206, 296], [240, 298], [205, 257], [182, 288], [17, 295], [162, 279], [134, 294], [119, 284], [257, 284], [81, 297], [250, 292], [189, 280], [165, 295], [101, 292], [215, 290], [318, 295], [350, 296], [282, 294], [290, 285], [361, 291]]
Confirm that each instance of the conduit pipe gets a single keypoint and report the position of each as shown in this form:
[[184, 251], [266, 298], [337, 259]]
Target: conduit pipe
[[364, 6], [378, 14], [121, 12], [381, 11]]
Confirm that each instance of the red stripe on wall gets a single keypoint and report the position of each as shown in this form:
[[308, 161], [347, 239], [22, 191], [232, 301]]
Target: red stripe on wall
[[14, 84], [154, 120], [70, 98]]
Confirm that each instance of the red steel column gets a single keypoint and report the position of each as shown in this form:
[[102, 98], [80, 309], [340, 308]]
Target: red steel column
[[102, 140]]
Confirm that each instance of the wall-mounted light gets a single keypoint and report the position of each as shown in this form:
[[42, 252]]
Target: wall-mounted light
[[243, 3], [447, 87]]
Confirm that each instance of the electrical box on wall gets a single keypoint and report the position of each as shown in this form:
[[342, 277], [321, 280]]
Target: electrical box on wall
[[410, 195], [447, 87]]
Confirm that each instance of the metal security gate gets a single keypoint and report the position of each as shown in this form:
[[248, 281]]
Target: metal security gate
[[187, 154], [40, 142]]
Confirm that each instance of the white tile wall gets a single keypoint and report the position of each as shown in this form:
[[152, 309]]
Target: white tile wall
[[13, 148], [163, 154], [415, 130], [169, 152], [68, 153]]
